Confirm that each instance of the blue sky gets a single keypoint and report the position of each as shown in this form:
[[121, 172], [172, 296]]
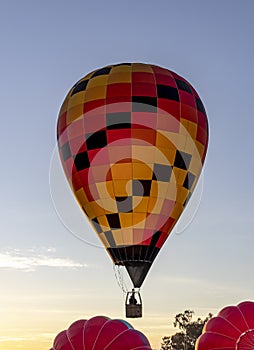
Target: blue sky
[[50, 278]]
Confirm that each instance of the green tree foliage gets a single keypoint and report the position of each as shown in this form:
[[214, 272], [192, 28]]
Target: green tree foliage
[[189, 332]]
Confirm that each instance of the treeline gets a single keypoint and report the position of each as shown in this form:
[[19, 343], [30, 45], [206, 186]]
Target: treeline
[[188, 333]]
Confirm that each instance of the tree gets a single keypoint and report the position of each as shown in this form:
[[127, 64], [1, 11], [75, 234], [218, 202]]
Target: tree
[[189, 332]]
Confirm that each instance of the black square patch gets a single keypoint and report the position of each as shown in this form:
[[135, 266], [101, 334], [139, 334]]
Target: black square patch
[[81, 161], [168, 92], [113, 220], [182, 160], [96, 140], [79, 87]]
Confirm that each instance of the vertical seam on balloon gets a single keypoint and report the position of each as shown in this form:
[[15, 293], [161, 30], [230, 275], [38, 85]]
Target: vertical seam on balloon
[[230, 323], [83, 334], [153, 249], [243, 316], [98, 335], [225, 319], [114, 192], [131, 104], [83, 125], [67, 335], [155, 82], [105, 112], [119, 334]]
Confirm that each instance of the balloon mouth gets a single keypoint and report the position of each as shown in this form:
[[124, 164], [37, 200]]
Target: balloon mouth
[[246, 340]]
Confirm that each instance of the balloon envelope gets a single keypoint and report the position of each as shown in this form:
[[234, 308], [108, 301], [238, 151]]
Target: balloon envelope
[[231, 329], [99, 333], [132, 139]]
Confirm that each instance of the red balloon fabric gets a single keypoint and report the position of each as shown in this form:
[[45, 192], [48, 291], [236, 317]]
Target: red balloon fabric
[[231, 329], [100, 333]]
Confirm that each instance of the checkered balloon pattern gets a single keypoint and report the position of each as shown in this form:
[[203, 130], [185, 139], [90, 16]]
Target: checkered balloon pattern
[[132, 139]]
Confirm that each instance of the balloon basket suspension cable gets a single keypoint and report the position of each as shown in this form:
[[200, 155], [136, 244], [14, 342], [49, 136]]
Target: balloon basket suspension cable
[[120, 278], [133, 301]]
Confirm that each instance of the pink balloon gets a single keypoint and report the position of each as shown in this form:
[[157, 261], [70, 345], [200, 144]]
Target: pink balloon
[[100, 333], [231, 329]]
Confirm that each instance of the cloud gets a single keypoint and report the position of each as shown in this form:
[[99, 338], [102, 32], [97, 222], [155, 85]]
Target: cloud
[[30, 260]]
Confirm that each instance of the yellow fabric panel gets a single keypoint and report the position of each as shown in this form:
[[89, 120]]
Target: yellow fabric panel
[[97, 93], [103, 222], [176, 212], [123, 77], [74, 113], [97, 81], [120, 69], [155, 205], [105, 189], [118, 237], [143, 153], [180, 175], [162, 189], [142, 171], [200, 148], [122, 187], [89, 209], [81, 196], [161, 153], [121, 171], [151, 204], [97, 209], [178, 140], [109, 205], [139, 67], [190, 146], [195, 165], [140, 204], [125, 219], [77, 99], [162, 140], [154, 189], [190, 128], [127, 235], [182, 142], [139, 224], [182, 194], [171, 191], [139, 220]]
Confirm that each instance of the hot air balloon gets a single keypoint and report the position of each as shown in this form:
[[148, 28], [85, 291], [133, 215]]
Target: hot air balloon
[[231, 329], [132, 139], [99, 333]]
